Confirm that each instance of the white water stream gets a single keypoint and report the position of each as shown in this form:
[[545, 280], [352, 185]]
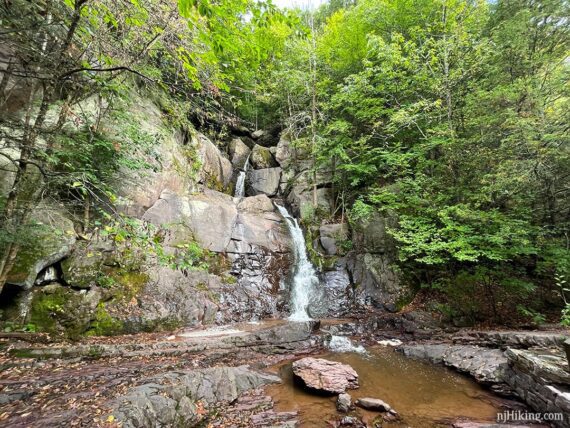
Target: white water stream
[[344, 344], [240, 183], [305, 278]]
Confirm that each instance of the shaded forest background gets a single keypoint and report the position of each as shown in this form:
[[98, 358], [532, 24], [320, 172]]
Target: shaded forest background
[[450, 116]]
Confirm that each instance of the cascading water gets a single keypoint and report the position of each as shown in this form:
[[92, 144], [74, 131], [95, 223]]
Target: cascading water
[[305, 278], [240, 183], [344, 344]]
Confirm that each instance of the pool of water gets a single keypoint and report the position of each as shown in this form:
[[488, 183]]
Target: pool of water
[[423, 394]]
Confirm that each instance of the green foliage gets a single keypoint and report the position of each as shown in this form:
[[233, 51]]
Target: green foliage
[[188, 256], [565, 318], [145, 238], [536, 317], [450, 116]]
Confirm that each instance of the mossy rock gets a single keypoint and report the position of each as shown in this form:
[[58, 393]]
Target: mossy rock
[[61, 310], [128, 284], [104, 324], [262, 158], [44, 243], [85, 266]]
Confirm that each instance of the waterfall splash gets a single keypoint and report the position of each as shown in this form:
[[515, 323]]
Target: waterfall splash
[[240, 183], [343, 344], [305, 278]]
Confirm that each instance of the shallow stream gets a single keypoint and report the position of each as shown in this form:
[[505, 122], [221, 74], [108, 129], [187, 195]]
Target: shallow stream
[[423, 394]]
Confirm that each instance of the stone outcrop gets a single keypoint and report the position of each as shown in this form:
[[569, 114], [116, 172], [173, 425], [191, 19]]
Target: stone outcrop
[[337, 290], [378, 282], [174, 399], [324, 375], [331, 237], [238, 152], [165, 299], [53, 237], [263, 181], [486, 365], [249, 232], [220, 223], [216, 170], [541, 379], [515, 339], [300, 197], [61, 310], [371, 263], [261, 157]]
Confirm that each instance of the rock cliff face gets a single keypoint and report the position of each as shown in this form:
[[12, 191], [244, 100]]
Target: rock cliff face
[[196, 255]]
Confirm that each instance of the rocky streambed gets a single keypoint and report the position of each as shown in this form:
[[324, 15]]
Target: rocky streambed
[[242, 375]]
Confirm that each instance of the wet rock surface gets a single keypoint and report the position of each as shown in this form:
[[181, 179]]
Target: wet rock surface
[[488, 366], [324, 375], [373, 404], [344, 403]]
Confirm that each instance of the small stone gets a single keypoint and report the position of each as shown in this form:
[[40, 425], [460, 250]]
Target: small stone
[[344, 403], [352, 422], [257, 134], [373, 404], [171, 337]]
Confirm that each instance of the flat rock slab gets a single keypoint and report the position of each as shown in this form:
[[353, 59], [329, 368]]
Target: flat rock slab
[[324, 375]]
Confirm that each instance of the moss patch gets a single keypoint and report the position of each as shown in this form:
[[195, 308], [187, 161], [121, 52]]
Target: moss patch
[[104, 324], [129, 284]]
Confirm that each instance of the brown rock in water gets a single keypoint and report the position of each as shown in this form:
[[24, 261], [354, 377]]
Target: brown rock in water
[[373, 404], [325, 375]]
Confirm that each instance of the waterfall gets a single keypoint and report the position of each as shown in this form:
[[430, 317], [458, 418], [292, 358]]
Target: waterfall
[[305, 279], [240, 183]]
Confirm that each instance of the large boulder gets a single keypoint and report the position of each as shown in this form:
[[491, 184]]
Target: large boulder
[[264, 181], [261, 157], [239, 152], [300, 198], [52, 239], [89, 262], [58, 309], [284, 153], [267, 137], [219, 222], [324, 375], [216, 172]]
